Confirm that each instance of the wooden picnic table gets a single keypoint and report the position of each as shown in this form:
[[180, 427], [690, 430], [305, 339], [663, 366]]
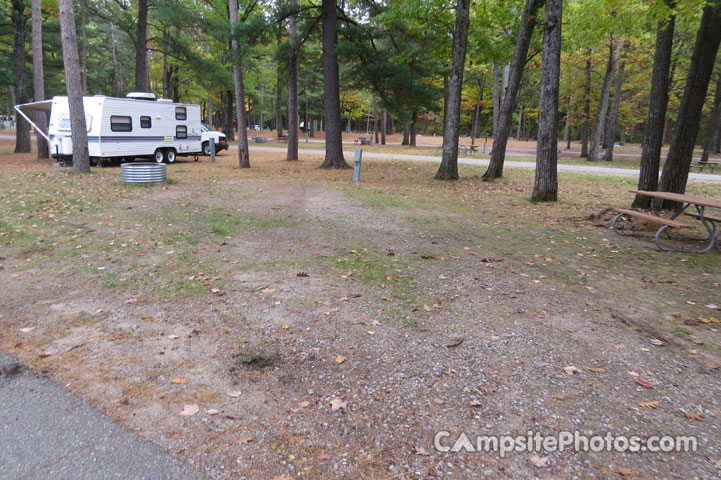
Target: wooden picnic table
[[699, 203]]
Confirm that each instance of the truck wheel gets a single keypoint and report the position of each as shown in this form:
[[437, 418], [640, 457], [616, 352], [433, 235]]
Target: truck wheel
[[159, 155], [206, 148], [170, 155]]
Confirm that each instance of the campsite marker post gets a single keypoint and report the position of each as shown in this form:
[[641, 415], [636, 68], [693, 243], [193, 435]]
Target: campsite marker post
[[357, 164]]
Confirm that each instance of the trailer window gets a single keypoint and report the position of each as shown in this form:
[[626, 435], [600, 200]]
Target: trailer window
[[180, 113], [181, 131], [145, 122], [121, 123]]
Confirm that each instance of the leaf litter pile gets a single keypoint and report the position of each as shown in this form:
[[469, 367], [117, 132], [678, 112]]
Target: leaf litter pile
[[283, 322]]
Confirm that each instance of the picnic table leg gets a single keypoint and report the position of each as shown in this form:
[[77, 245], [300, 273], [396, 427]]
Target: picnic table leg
[[619, 232]]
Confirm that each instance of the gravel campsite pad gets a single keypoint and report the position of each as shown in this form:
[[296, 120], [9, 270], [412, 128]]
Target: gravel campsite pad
[[284, 322]]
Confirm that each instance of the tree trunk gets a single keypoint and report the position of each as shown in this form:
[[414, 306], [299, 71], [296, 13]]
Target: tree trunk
[[22, 127], [243, 154], [545, 187], [84, 55], [503, 128], [445, 97], [331, 90], [141, 43], [81, 161], [475, 128], [680, 153], [614, 50], [39, 77], [375, 118], [713, 123], [293, 86], [611, 127], [658, 101], [116, 69], [348, 123], [210, 114], [586, 106], [569, 121], [496, 98], [520, 123], [412, 129], [384, 119], [406, 140], [279, 92], [448, 169]]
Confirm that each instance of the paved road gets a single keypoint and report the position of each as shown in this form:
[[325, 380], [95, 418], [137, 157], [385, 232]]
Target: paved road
[[627, 172], [47, 432]]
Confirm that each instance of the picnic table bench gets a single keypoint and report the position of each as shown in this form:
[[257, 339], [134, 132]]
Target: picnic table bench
[[711, 164], [362, 141], [708, 221]]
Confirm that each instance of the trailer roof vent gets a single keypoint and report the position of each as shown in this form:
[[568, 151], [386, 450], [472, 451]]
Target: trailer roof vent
[[165, 100], [141, 96]]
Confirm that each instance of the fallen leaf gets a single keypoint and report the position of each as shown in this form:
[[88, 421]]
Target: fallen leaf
[[281, 477], [323, 456], [475, 403], [596, 370], [427, 308], [245, 440], [711, 306], [439, 401], [190, 410], [649, 404], [286, 327], [643, 383], [442, 277], [570, 370], [548, 259], [213, 411], [27, 329], [626, 472], [173, 337], [559, 397], [455, 343], [633, 374], [657, 342], [541, 462], [43, 354], [339, 359], [421, 451], [495, 338], [694, 416], [302, 274], [234, 394], [304, 404], [268, 290], [338, 403], [180, 380]]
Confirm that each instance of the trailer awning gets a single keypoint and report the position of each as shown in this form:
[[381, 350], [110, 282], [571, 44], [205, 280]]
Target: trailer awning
[[26, 110]]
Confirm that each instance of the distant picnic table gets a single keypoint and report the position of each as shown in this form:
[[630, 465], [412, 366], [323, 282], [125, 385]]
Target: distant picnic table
[[710, 221], [711, 164]]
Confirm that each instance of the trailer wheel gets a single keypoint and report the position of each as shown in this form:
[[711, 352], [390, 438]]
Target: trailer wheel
[[170, 155], [159, 155], [206, 148]]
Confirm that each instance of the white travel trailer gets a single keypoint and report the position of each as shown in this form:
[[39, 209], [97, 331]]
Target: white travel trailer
[[128, 128]]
